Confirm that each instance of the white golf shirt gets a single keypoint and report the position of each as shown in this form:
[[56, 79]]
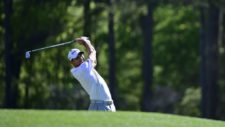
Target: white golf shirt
[[91, 81]]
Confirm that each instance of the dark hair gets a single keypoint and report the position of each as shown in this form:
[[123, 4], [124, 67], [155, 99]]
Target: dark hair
[[80, 53]]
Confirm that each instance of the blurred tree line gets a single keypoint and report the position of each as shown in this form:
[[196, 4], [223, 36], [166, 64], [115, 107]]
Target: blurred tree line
[[156, 55]]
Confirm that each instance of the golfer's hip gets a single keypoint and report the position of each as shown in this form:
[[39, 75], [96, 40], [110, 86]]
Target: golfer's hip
[[107, 102], [102, 105]]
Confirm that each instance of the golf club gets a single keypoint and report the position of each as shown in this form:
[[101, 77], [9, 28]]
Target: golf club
[[27, 54]]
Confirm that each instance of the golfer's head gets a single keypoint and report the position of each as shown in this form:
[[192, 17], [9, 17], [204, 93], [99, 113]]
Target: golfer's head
[[76, 57]]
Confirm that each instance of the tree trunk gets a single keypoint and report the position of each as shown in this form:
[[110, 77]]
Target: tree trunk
[[112, 66], [8, 102], [203, 45], [210, 86], [224, 34], [87, 18], [147, 28]]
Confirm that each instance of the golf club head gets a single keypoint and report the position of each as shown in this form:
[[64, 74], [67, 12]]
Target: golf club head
[[27, 54]]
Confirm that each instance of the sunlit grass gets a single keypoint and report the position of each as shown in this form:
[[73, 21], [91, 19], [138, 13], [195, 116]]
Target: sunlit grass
[[70, 118]]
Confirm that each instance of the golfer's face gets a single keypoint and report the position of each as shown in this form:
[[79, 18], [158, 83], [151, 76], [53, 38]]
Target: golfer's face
[[77, 61]]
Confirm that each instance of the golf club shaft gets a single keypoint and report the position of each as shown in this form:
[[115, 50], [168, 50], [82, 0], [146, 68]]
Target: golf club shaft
[[52, 46]]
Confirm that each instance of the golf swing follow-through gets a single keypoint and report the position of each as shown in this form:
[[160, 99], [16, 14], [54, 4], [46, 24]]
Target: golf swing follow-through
[[84, 71], [27, 54]]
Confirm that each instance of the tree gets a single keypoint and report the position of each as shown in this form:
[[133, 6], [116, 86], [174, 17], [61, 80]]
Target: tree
[[202, 52], [147, 67], [87, 18], [10, 99], [111, 43], [209, 81]]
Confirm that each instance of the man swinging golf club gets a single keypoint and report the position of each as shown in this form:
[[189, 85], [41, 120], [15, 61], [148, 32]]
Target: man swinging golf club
[[84, 71]]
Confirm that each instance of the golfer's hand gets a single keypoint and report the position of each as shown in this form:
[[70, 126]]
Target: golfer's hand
[[82, 40]]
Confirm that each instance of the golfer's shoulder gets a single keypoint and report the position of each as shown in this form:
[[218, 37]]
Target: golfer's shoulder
[[77, 71], [74, 70], [84, 65]]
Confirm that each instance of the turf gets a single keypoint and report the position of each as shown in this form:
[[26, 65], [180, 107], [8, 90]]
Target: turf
[[70, 118]]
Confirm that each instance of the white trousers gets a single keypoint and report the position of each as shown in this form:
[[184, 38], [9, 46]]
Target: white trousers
[[97, 105]]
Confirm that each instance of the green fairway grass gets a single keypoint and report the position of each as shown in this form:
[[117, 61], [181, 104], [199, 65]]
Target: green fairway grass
[[71, 118]]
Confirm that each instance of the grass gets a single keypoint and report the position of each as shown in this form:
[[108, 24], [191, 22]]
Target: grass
[[70, 118]]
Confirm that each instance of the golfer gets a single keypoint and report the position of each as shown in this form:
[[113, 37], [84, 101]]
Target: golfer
[[84, 71]]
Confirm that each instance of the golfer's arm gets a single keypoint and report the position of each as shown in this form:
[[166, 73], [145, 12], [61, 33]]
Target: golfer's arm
[[91, 52]]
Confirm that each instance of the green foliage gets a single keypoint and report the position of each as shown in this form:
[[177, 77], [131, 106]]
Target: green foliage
[[38, 21], [51, 85], [175, 46], [191, 102], [175, 50], [172, 31], [37, 118]]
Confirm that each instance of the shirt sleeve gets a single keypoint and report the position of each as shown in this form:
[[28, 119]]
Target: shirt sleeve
[[90, 64]]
